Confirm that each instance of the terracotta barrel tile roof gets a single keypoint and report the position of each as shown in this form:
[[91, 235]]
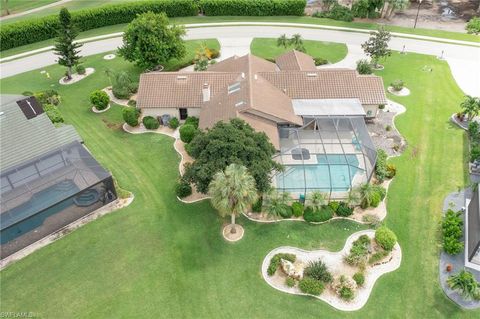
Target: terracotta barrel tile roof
[[295, 61]]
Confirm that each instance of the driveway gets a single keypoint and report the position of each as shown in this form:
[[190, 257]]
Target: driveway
[[464, 60]]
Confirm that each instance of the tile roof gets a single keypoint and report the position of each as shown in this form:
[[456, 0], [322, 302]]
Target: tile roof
[[295, 61], [329, 84]]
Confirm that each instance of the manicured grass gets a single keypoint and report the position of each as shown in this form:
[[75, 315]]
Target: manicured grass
[[16, 6], [159, 258], [267, 48]]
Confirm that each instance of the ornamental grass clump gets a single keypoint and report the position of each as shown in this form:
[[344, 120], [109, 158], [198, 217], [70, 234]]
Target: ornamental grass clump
[[318, 270]]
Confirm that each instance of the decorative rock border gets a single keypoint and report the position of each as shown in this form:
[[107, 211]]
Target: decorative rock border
[[403, 92], [102, 211], [95, 110], [109, 56], [77, 77], [233, 237], [334, 260]]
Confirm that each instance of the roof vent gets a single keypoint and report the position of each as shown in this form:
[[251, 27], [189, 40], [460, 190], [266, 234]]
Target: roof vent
[[312, 75], [234, 88], [240, 103], [181, 77], [206, 92], [255, 77], [243, 75]]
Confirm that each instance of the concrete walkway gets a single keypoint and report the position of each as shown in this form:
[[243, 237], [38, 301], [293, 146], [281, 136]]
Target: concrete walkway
[[456, 201], [15, 15], [464, 60]]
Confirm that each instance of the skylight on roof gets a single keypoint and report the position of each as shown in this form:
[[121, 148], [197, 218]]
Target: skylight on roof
[[234, 88]]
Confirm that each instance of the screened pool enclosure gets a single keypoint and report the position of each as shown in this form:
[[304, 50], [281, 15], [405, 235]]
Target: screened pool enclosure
[[40, 196], [331, 154]]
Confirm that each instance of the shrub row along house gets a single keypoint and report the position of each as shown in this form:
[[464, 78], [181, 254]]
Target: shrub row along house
[[48, 178], [314, 118], [472, 232]]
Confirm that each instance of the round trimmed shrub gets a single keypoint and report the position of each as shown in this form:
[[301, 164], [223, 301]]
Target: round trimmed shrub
[[99, 99], [131, 115], [297, 209], [187, 133], [286, 211], [311, 286], [334, 205], [397, 85], [80, 69], [183, 189], [344, 210], [320, 61], [375, 199], [192, 120], [173, 123], [150, 123], [359, 278], [385, 238], [290, 282]]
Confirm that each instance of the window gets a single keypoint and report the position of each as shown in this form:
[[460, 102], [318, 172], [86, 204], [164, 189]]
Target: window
[[183, 114]]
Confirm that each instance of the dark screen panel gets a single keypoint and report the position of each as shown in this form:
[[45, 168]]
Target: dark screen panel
[[30, 107]]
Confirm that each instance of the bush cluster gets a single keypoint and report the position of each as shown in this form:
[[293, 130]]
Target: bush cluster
[[359, 252], [285, 211], [297, 209], [364, 67], [344, 209], [187, 133], [47, 97], [452, 232], [275, 262], [382, 169], [318, 270], [371, 195], [377, 256], [323, 214], [252, 7], [397, 85], [99, 99], [257, 206], [337, 12], [290, 282], [473, 25], [474, 135], [311, 286], [183, 189], [385, 238], [53, 113], [320, 61], [131, 115], [173, 123], [192, 120], [80, 69], [35, 30], [150, 123], [359, 278]]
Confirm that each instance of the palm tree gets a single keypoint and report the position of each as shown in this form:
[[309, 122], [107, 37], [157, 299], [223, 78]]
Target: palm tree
[[276, 202], [296, 41], [365, 193], [233, 191], [465, 284], [317, 199], [283, 41], [471, 106]]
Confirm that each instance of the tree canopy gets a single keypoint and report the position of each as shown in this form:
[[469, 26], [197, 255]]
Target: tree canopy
[[228, 143], [470, 106], [150, 40], [65, 48], [376, 47]]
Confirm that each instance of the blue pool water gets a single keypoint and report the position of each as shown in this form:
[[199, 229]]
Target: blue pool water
[[318, 176]]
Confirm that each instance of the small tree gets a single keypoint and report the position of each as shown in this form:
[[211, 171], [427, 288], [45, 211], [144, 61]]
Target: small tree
[[470, 106], [233, 191], [276, 203], [65, 48], [316, 199], [376, 47], [283, 41], [465, 284], [150, 40]]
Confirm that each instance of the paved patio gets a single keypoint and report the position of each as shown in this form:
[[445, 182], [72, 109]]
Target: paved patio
[[456, 201]]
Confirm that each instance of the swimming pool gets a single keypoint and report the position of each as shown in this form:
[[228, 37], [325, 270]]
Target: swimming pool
[[337, 169]]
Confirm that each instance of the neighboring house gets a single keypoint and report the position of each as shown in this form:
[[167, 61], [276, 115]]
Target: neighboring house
[[48, 178], [292, 102], [472, 232]]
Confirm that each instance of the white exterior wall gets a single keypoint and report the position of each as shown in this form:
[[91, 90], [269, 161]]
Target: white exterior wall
[[172, 111], [371, 110]]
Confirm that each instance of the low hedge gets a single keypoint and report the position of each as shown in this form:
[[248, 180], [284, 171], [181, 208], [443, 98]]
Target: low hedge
[[297, 209], [315, 216], [53, 113], [40, 29], [252, 7]]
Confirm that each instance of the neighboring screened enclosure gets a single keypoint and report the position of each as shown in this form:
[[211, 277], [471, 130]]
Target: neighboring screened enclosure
[[330, 154], [47, 193]]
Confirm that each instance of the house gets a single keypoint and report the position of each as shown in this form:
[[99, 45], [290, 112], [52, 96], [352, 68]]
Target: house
[[472, 232], [314, 117], [48, 178]]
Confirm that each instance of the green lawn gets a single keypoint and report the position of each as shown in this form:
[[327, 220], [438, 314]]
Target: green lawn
[[159, 258], [16, 6], [267, 48]]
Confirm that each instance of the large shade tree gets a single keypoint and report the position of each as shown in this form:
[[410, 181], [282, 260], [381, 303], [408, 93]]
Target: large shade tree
[[150, 40], [376, 47], [233, 191], [228, 143], [65, 47]]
